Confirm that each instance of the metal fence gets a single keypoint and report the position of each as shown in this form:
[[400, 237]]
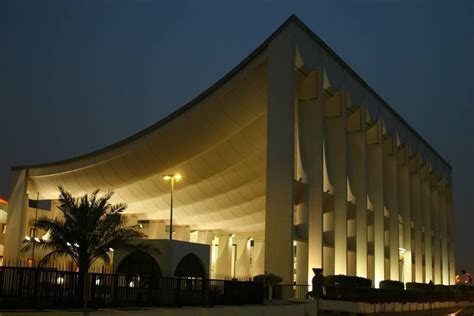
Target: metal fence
[[49, 288]]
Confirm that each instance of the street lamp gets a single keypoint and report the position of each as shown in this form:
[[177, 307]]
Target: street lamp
[[172, 178]]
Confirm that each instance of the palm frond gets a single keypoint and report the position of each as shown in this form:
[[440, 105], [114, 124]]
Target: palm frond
[[89, 228]]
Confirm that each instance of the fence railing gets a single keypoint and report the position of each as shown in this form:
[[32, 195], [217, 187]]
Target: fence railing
[[49, 288]]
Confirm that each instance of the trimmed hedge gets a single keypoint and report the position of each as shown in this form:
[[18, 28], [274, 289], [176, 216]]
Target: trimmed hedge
[[418, 286], [442, 288], [391, 285], [341, 287], [347, 281]]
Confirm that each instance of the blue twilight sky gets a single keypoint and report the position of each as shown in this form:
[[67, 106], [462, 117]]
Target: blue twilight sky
[[79, 75]]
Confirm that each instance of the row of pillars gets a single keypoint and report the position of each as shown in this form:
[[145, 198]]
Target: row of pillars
[[355, 199], [231, 256]]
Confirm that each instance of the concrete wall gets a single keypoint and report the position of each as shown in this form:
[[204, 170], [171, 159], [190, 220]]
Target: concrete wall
[[168, 254]]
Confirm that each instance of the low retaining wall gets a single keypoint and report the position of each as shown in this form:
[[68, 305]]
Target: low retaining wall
[[368, 308], [304, 309]]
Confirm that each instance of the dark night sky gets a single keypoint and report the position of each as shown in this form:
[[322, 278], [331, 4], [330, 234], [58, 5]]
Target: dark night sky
[[79, 75]]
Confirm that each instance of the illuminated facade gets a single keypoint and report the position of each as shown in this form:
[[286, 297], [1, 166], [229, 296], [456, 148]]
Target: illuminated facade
[[289, 162], [3, 223]]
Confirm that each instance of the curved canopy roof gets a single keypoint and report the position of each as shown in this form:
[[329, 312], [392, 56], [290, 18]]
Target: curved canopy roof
[[217, 142]]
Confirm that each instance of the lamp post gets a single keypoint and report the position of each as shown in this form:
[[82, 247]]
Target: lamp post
[[172, 178]]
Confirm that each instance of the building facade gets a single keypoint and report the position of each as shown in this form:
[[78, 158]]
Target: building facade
[[289, 162], [3, 224]]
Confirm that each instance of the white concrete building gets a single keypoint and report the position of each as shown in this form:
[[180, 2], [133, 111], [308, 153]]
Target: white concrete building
[[289, 162], [3, 223]]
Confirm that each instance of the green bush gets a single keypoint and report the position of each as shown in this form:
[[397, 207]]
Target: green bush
[[391, 285], [348, 281], [414, 286], [441, 288]]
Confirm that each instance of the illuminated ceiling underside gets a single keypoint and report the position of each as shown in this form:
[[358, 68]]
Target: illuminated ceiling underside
[[218, 143], [218, 146]]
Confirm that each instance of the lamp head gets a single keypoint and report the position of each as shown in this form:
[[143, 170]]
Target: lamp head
[[176, 177]]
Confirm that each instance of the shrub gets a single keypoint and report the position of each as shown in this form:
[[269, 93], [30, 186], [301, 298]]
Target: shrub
[[414, 286], [391, 285], [348, 281], [441, 288]]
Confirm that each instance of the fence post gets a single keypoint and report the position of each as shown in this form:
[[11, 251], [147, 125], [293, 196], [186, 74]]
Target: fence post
[[150, 289], [178, 294], [20, 283], [92, 286], [204, 288], [35, 287], [115, 289]]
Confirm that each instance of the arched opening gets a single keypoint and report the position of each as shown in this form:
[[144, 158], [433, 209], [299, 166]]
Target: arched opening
[[190, 267], [139, 263]]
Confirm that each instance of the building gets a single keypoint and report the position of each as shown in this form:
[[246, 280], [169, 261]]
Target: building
[[289, 162], [3, 225]]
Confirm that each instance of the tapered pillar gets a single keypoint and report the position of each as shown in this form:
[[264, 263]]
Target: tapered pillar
[[390, 186], [404, 211], [205, 237], [443, 234], [280, 156], [375, 193], [224, 258], [436, 244], [427, 227], [357, 152], [335, 144], [415, 207], [17, 215], [452, 259], [182, 233], [242, 270], [310, 127], [258, 257]]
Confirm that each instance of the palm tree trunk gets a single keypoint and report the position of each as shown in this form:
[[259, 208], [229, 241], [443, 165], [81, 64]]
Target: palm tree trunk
[[83, 285]]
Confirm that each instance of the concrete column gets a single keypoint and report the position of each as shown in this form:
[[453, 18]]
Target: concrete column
[[390, 186], [434, 201], [280, 156], [310, 129], [375, 194], [157, 230], [405, 212], [258, 258], [182, 233], [357, 152], [205, 237], [301, 242], [444, 234], [242, 270], [224, 258], [426, 213], [17, 215], [450, 214], [301, 215], [415, 206], [336, 146], [132, 220]]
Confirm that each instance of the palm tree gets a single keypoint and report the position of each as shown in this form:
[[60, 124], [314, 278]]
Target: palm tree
[[91, 228]]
